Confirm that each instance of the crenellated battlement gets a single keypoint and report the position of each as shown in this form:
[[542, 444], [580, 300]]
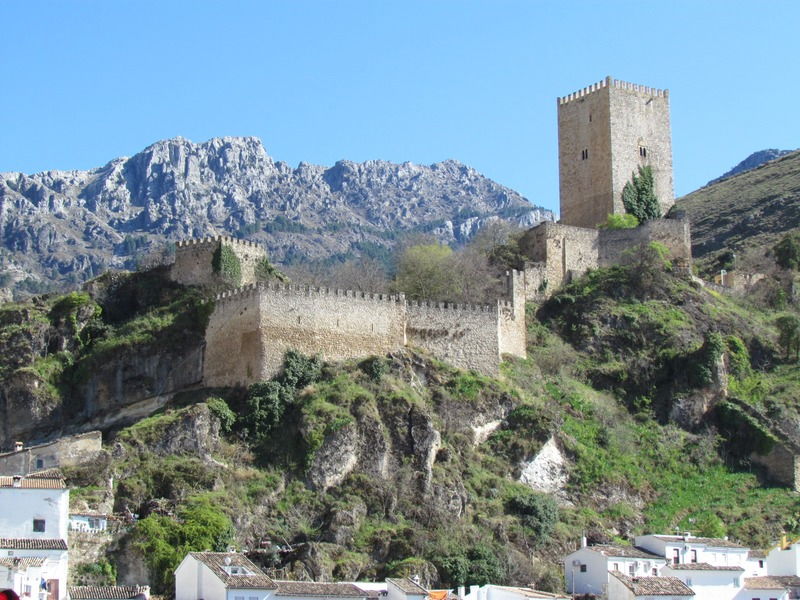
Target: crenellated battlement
[[225, 239], [288, 289], [616, 83]]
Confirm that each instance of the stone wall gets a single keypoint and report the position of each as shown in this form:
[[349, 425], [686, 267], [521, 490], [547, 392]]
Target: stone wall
[[783, 466], [561, 252], [605, 132], [193, 260], [64, 452], [672, 233], [251, 329]]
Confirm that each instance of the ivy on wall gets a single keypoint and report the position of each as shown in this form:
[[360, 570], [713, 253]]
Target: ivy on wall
[[227, 265], [265, 270]]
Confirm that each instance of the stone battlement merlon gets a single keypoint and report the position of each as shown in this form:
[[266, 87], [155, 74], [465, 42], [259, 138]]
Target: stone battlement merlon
[[617, 83], [225, 239], [288, 289], [449, 306]]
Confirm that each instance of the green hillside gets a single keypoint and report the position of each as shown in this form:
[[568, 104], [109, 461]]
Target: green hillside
[[401, 464], [745, 214]]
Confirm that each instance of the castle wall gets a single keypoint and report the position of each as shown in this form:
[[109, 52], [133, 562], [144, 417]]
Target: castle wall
[[466, 336], [233, 343], [193, 260], [251, 330], [672, 233], [564, 250], [64, 452], [605, 132], [511, 317]]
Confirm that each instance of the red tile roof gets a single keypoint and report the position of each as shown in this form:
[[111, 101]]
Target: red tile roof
[[624, 551], [50, 482], [703, 566], [654, 586], [765, 583], [32, 544], [21, 563], [218, 561], [106, 592], [313, 588], [706, 541], [408, 586]]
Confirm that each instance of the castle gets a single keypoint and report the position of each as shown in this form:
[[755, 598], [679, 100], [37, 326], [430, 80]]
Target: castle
[[253, 326], [606, 131]]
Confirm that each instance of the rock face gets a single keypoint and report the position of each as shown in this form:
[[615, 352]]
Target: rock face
[[756, 159], [72, 225]]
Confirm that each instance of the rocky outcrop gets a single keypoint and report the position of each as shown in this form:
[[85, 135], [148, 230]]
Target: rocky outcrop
[[756, 159], [72, 225]]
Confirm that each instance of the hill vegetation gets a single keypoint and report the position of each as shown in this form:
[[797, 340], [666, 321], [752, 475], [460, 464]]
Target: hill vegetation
[[655, 392]]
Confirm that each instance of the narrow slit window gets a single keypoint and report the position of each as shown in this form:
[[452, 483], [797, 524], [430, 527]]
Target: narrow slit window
[[642, 151]]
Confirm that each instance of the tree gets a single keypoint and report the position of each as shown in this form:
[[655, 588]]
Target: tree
[[639, 197], [787, 252], [789, 335], [425, 272]]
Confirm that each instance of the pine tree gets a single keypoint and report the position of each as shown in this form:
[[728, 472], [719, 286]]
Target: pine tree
[[639, 197]]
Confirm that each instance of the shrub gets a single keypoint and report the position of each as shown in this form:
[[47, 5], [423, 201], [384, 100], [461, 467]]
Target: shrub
[[227, 265], [537, 511], [620, 221], [220, 409], [787, 252]]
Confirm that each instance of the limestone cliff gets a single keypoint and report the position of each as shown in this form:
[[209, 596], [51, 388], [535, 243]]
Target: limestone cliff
[[68, 226]]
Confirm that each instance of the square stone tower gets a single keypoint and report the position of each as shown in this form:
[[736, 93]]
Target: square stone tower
[[605, 132]]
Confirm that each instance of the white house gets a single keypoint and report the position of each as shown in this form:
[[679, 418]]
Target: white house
[[710, 582], [501, 592], [405, 589], [623, 587], [784, 560], [221, 576], [756, 564], [686, 548], [88, 522], [33, 534], [587, 570], [764, 588], [232, 576]]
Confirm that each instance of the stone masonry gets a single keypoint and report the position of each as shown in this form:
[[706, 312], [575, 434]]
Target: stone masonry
[[561, 252], [605, 132], [252, 327]]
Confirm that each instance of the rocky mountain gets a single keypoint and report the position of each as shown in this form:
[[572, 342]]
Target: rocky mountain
[[756, 159], [745, 214], [67, 226]]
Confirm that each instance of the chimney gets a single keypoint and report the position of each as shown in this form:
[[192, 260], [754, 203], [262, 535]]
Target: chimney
[[17, 481], [18, 446], [583, 541], [461, 592]]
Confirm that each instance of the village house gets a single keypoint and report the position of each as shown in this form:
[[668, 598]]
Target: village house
[[88, 522], [784, 559], [624, 587], [33, 534], [109, 592], [587, 569], [686, 548], [502, 592]]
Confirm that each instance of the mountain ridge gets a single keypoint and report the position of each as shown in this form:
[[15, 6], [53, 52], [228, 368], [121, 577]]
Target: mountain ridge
[[68, 226]]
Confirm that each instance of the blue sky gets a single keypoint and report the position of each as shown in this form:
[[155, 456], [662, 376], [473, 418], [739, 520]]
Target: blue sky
[[418, 81]]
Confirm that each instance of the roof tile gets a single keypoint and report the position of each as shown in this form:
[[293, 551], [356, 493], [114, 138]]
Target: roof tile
[[32, 544], [314, 588], [216, 561], [654, 586], [106, 592]]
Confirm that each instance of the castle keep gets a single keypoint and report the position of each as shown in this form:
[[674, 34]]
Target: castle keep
[[605, 133], [253, 326]]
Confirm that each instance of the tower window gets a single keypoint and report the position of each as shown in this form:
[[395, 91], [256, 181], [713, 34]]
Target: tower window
[[590, 117], [642, 151], [584, 154]]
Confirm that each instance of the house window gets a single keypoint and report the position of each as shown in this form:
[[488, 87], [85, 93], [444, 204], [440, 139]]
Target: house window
[[583, 568], [761, 564], [39, 463], [632, 569], [38, 525], [252, 598], [238, 598], [689, 581], [694, 556], [736, 582], [616, 567], [676, 556], [654, 572]]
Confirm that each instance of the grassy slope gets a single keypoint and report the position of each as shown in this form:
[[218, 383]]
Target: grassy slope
[[747, 213], [625, 331]]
